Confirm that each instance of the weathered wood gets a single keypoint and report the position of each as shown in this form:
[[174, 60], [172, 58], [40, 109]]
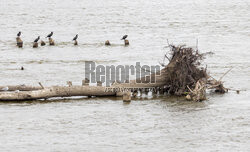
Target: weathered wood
[[85, 82], [75, 43], [51, 41], [19, 42], [55, 91], [43, 43], [126, 96], [35, 45], [107, 42], [199, 92], [20, 88], [126, 42]]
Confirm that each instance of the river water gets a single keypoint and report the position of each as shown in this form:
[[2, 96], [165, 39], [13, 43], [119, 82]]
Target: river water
[[222, 123]]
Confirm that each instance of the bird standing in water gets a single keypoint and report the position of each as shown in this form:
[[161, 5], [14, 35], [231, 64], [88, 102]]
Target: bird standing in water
[[50, 35], [37, 39], [19, 34], [75, 38], [124, 37]]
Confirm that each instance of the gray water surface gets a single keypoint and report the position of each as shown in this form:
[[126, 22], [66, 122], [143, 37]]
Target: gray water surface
[[222, 123]]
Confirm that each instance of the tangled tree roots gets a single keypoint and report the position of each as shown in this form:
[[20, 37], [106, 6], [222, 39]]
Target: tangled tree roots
[[186, 71], [187, 76]]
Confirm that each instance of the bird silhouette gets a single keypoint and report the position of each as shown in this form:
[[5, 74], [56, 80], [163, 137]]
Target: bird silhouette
[[50, 35], [124, 37], [75, 37], [36, 40], [19, 34]]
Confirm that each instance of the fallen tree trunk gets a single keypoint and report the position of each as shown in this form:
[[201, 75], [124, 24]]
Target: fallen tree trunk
[[56, 91], [181, 76]]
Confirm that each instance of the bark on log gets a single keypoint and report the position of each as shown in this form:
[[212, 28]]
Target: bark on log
[[20, 88], [55, 91]]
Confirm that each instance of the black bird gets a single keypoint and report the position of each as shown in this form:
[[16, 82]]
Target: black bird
[[19, 34], [50, 35], [36, 40], [124, 37], [74, 39]]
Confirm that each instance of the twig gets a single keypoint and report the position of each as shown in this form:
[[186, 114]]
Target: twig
[[41, 85], [168, 42], [196, 44], [225, 74], [167, 57], [190, 89]]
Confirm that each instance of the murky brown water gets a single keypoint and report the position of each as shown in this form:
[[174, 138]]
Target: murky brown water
[[222, 123]]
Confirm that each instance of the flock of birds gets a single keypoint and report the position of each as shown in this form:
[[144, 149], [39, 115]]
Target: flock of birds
[[51, 41]]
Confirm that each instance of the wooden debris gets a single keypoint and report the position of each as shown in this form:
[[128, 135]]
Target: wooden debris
[[19, 42], [107, 42], [55, 91], [35, 44], [75, 43], [43, 43], [199, 92], [126, 96], [51, 41], [126, 42], [85, 82]]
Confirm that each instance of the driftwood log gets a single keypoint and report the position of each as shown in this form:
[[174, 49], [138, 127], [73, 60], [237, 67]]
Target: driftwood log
[[182, 76], [55, 91], [19, 87]]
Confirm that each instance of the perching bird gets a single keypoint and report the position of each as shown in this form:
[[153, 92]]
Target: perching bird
[[50, 35], [36, 40], [19, 34], [124, 37], [74, 39]]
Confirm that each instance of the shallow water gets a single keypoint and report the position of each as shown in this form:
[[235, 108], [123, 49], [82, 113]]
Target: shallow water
[[222, 123]]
